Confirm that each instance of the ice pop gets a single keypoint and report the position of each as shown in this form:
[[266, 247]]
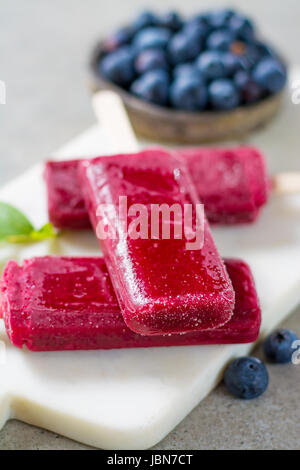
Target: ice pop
[[86, 314], [231, 182], [162, 286]]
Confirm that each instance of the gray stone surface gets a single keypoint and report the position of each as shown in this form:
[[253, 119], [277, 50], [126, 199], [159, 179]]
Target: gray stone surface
[[44, 49]]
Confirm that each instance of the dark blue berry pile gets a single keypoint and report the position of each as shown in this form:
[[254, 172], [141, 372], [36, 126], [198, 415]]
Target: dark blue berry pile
[[213, 61]]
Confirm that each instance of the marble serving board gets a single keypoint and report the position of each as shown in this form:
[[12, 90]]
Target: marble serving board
[[131, 399]]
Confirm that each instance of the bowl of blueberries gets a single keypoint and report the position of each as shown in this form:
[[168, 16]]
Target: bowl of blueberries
[[204, 78]]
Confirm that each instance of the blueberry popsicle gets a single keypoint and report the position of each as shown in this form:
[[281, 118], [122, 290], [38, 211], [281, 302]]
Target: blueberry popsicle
[[86, 314], [231, 182], [162, 286]]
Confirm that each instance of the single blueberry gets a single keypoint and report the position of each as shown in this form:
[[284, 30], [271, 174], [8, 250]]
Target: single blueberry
[[220, 40], [184, 47], [117, 39], [232, 63], [150, 38], [250, 91], [187, 68], [219, 18], [118, 66], [150, 59], [270, 74], [223, 94], [246, 377], [241, 27], [253, 54], [171, 20], [280, 346], [144, 19], [210, 64], [189, 93], [196, 30], [153, 86]]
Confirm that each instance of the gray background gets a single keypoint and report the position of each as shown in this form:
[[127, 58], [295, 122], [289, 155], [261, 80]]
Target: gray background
[[44, 48]]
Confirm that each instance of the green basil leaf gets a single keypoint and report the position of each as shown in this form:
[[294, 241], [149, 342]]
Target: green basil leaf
[[13, 222], [16, 228]]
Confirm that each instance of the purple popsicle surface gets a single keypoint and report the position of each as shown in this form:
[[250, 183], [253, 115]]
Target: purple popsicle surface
[[162, 286], [86, 314], [232, 183], [66, 206]]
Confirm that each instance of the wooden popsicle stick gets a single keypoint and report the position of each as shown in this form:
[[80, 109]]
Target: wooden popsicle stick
[[286, 183], [112, 115]]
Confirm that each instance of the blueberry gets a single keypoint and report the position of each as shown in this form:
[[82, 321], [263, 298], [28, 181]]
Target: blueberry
[[265, 50], [145, 19], [171, 20], [270, 74], [278, 347], [250, 90], [210, 64], [189, 93], [150, 59], [118, 66], [153, 86], [187, 68], [246, 53], [246, 377], [232, 63], [220, 40], [117, 39], [150, 38], [241, 27], [219, 18], [184, 47], [246, 62], [197, 20], [195, 29], [223, 94], [253, 54]]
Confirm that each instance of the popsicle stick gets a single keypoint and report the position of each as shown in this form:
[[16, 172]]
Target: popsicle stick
[[112, 116], [286, 183]]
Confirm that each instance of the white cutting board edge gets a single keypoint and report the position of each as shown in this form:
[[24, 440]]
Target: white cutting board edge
[[131, 399]]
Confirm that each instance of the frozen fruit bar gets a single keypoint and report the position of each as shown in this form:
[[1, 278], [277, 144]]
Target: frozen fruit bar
[[232, 183], [162, 286], [86, 314], [66, 206]]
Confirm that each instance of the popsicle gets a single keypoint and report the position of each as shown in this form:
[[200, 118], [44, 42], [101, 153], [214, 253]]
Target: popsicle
[[86, 314], [232, 183], [162, 285]]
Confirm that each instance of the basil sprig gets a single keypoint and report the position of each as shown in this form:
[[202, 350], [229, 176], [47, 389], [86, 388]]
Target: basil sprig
[[15, 227]]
